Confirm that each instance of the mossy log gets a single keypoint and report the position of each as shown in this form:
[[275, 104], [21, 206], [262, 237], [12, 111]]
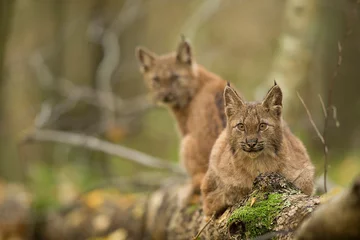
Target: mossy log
[[273, 208], [273, 205]]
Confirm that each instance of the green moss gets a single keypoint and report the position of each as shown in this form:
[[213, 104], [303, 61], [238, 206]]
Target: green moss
[[259, 217]]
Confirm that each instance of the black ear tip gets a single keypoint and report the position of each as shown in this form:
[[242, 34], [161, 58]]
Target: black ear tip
[[228, 89], [184, 41], [276, 87], [228, 84]]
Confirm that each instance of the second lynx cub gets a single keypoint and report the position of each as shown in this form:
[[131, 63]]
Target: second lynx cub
[[194, 97], [256, 140]]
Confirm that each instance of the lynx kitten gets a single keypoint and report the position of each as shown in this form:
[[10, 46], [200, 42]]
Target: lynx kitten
[[194, 96], [256, 140]]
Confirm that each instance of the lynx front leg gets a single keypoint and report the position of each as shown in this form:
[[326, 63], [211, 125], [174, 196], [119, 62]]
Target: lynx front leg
[[194, 161], [213, 195]]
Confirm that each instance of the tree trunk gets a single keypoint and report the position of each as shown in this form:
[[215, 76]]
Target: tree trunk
[[6, 10], [6, 13], [294, 57]]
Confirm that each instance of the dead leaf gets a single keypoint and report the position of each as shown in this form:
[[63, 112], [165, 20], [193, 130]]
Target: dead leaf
[[253, 200]]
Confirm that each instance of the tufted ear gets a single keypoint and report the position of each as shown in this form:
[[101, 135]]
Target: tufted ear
[[273, 99], [233, 102], [145, 57], [184, 53]]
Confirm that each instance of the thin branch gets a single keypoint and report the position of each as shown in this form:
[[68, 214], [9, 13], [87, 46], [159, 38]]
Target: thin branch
[[329, 103], [42, 71], [322, 138], [334, 111], [311, 119], [108, 39], [87, 94], [92, 143], [107, 66], [201, 15], [75, 93], [323, 105], [43, 117], [203, 228], [128, 14]]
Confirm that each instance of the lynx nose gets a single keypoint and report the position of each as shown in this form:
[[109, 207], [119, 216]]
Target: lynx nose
[[251, 142]]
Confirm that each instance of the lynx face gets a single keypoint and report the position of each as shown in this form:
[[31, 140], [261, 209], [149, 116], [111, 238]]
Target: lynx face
[[171, 78], [254, 128]]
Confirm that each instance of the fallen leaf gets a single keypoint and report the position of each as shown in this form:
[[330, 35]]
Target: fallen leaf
[[253, 200]]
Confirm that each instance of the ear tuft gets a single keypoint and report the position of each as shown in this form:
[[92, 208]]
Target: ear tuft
[[184, 52], [232, 101], [145, 58], [273, 99], [275, 83]]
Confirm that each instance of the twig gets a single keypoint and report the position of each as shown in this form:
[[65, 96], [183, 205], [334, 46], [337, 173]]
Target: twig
[[74, 93], [110, 61], [43, 117], [311, 119], [203, 228], [322, 138], [334, 111], [199, 17], [329, 103], [107, 66], [323, 105], [127, 15], [87, 94], [81, 140]]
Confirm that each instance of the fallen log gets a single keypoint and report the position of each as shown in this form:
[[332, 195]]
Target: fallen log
[[273, 205], [274, 208]]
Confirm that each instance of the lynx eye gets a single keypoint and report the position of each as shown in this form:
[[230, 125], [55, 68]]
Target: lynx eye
[[174, 76], [241, 127], [156, 79], [263, 126]]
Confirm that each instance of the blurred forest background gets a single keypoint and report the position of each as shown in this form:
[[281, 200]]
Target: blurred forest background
[[69, 65]]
